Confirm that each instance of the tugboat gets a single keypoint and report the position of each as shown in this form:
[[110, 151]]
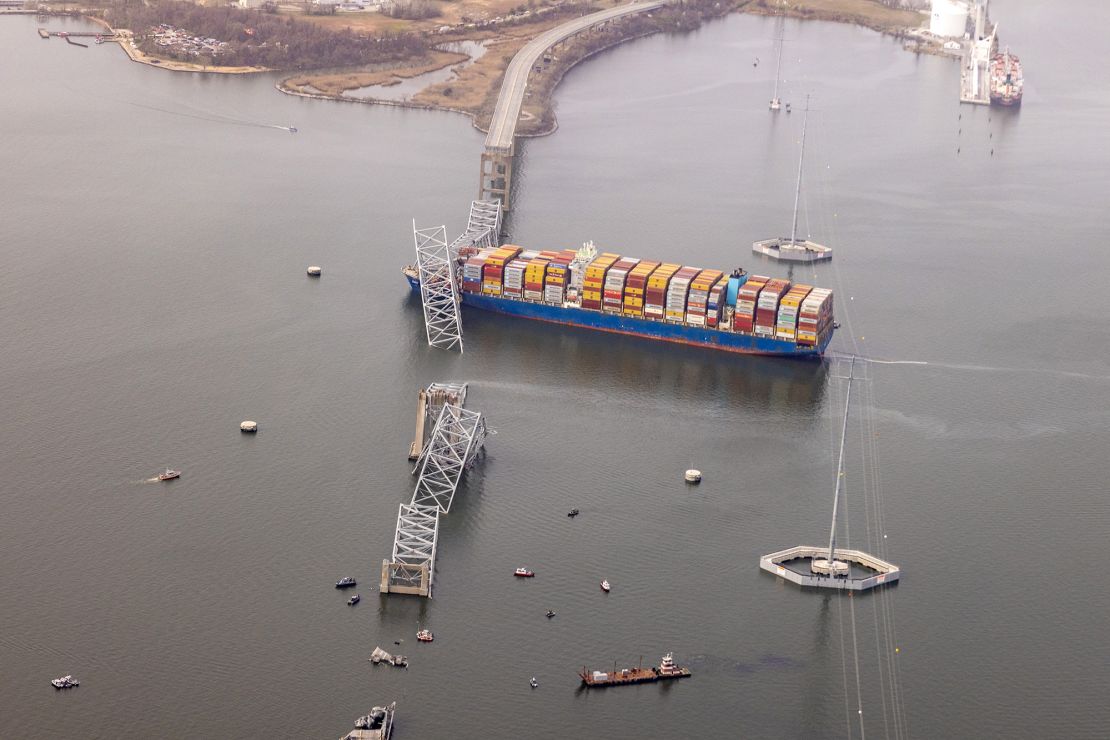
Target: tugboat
[[524, 573], [354, 600], [346, 582], [425, 636], [605, 586], [65, 682], [572, 513], [169, 474]]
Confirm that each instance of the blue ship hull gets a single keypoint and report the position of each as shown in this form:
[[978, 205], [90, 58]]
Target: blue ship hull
[[648, 328]]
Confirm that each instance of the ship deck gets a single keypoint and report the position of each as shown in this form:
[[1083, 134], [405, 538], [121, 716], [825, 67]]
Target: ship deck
[[630, 676]]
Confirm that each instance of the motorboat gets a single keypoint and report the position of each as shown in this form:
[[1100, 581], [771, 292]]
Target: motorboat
[[550, 614], [65, 682], [169, 474], [605, 586], [425, 636], [354, 600], [346, 582], [533, 683], [524, 573], [572, 513]]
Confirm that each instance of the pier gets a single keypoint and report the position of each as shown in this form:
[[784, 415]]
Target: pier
[[496, 172], [452, 448], [975, 67]]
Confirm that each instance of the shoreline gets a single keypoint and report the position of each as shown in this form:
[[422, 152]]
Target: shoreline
[[542, 114], [480, 85]]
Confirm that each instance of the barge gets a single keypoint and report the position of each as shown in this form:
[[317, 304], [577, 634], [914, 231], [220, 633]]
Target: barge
[[664, 671]]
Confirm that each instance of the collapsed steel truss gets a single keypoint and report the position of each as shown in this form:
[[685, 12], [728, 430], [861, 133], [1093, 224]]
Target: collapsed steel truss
[[483, 227], [453, 447], [437, 288], [455, 441]]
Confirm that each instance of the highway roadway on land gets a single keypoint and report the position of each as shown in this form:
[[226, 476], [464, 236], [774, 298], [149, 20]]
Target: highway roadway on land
[[507, 112]]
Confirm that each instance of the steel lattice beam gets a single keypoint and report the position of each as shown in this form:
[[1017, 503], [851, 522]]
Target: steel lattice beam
[[483, 227], [437, 288], [457, 436]]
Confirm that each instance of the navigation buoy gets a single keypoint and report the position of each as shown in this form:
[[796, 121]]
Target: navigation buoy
[[249, 426], [693, 476], [315, 270]]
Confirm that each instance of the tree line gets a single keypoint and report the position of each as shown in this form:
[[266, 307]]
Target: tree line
[[256, 38]]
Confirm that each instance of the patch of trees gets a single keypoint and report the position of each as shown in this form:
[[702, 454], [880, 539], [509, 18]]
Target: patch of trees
[[412, 10], [257, 38]]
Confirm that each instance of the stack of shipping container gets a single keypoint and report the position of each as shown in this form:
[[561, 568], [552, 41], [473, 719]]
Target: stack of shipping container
[[513, 282], [613, 295], [767, 307], [494, 268], [815, 316], [697, 305], [655, 299], [677, 292], [743, 320], [594, 283], [716, 303], [534, 276], [558, 277], [786, 326], [634, 287]]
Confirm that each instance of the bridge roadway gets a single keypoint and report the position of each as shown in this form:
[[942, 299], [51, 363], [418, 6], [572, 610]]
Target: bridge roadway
[[502, 130]]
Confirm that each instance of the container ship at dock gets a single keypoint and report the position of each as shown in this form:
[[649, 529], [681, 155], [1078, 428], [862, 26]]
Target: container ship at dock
[[1007, 81], [735, 312]]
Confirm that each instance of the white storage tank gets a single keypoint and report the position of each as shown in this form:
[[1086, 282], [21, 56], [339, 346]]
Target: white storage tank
[[949, 18]]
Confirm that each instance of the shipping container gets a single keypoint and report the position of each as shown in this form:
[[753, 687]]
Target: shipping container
[[697, 303], [716, 304], [655, 295]]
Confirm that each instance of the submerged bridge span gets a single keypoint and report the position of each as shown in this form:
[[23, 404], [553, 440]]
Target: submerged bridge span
[[500, 148]]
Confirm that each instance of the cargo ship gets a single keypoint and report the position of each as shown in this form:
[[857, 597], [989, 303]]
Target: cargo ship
[[737, 312], [664, 671], [1006, 80]]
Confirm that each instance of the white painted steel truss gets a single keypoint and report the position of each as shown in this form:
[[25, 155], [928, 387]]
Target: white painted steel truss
[[453, 447], [442, 318], [414, 548], [483, 227]]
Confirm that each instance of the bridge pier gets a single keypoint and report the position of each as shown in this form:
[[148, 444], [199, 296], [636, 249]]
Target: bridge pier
[[496, 177]]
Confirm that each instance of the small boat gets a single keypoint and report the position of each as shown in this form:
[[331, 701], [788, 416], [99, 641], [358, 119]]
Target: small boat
[[572, 513], [292, 129], [533, 683], [346, 582], [65, 682], [354, 600], [605, 586], [524, 573], [425, 636], [169, 474], [550, 614]]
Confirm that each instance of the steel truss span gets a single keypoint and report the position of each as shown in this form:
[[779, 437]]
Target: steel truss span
[[437, 288]]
